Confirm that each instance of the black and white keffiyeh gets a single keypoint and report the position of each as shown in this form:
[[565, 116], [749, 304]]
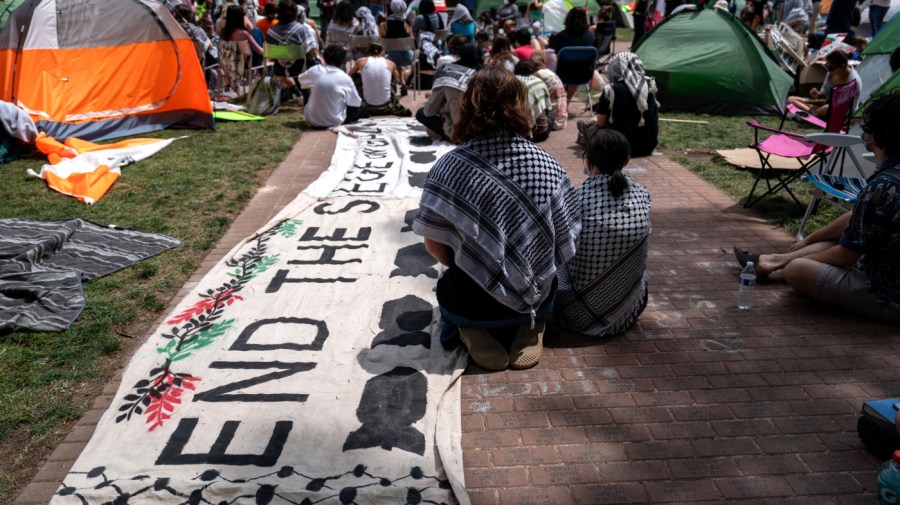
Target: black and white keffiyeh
[[603, 288], [628, 68], [453, 76], [509, 213], [428, 48]]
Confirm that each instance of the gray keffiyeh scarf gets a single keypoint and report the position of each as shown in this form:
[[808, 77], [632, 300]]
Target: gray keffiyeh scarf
[[428, 48], [453, 76], [461, 14], [509, 213], [367, 24], [628, 68], [398, 10]]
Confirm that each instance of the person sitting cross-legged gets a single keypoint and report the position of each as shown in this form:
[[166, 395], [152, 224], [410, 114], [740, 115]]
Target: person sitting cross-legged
[[333, 99], [603, 289], [378, 78], [854, 262], [441, 110]]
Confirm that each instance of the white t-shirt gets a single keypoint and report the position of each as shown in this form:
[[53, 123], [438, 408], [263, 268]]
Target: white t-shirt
[[331, 92], [376, 81]]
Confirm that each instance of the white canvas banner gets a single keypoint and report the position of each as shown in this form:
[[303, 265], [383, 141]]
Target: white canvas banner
[[306, 368], [380, 157]]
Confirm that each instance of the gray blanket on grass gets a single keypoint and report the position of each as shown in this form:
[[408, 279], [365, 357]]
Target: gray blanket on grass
[[43, 263]]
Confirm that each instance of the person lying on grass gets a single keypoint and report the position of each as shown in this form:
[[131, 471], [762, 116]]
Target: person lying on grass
[[854, 262]]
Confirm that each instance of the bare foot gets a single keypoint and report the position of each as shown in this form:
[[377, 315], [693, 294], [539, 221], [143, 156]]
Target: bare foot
[[766, 266]]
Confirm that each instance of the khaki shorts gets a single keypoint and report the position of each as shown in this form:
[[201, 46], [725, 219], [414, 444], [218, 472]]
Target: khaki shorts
[[847, 288]]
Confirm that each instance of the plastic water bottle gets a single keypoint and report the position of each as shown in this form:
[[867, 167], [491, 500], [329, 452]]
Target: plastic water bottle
[[748, 281], [889, 481]]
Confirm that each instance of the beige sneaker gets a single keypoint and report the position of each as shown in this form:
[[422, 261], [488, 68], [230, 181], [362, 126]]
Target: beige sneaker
[[484, 349], [527, 348]]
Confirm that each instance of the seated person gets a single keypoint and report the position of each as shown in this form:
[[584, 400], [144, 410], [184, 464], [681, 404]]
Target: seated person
[[333, 99], [501, 214], [628, 105], [462, 23], [558, 101], [484, 42], [839, 72], [604, 31], [290, 32], [501, 54], [268, 20], [525, 45], [454, 44], [378, 77], [509, 11], [853, 263], [441, 110], [615, 237], [576, 33], [538, 100]]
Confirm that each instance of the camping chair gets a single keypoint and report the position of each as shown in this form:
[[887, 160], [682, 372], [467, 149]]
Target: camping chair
[[575, 67], [403, 44], [604, 36], [806, 151], [286, 54], [835, 190]]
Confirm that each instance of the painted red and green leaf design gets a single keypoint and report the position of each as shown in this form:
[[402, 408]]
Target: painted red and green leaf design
[[156, 396]]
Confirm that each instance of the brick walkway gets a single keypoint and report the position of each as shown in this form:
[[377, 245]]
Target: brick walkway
[[698, 403]]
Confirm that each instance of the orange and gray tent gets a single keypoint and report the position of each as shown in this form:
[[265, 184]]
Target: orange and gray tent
[[100, 69]]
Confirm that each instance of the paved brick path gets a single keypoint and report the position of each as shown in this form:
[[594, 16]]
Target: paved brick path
[[698, 403]]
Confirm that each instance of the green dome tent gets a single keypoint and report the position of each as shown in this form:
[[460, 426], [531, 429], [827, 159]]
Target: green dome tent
[[708, 61]]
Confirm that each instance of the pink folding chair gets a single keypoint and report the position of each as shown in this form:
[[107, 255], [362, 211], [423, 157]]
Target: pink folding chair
[[796, 145]]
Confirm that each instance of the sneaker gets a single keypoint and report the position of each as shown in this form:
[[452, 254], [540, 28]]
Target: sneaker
[[403, 90]]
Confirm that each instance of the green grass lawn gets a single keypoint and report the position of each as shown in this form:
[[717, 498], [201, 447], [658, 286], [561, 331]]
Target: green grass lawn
[[191, 190]]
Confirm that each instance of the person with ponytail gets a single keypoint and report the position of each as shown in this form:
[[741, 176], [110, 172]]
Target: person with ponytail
[[603, 289]]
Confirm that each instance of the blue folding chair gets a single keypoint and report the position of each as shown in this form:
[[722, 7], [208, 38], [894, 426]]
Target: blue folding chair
[[575, 67]]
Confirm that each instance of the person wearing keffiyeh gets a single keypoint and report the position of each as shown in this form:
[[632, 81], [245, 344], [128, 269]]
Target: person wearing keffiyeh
[[502, 215], [603, 289], [628, 105], [367, 26]]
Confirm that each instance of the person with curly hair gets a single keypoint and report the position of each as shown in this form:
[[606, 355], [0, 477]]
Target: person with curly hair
[[854, 262], [502, 215]]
